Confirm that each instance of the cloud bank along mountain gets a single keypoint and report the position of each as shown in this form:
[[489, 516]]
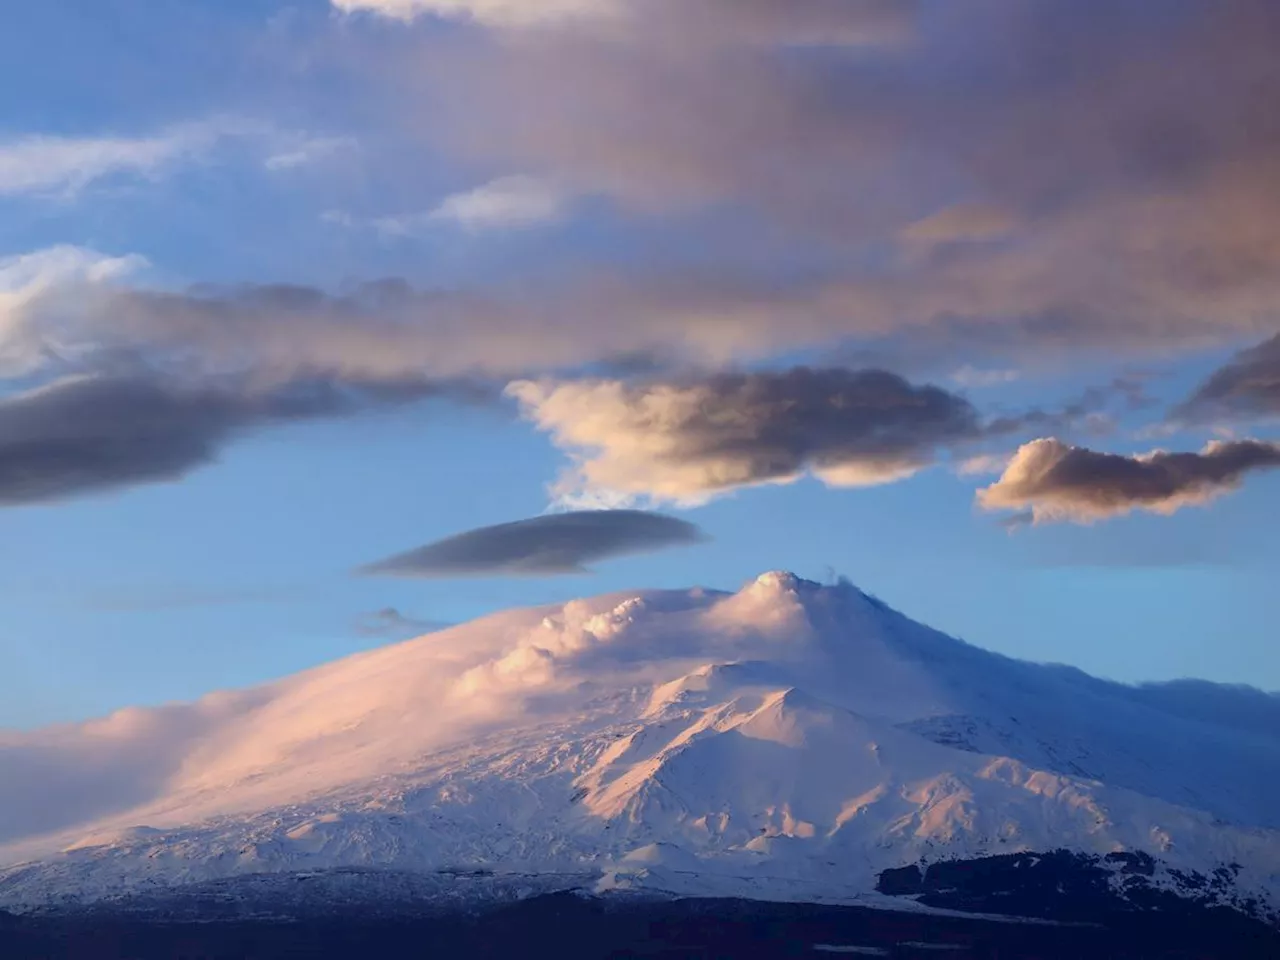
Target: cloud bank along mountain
[[787, 741], [556, 544]]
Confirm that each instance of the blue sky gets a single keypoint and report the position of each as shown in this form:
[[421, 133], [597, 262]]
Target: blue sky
[[659, 229]]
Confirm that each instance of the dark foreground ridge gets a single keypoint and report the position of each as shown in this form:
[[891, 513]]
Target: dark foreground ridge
[[1067, 886], [568, 926], [1053, 906]]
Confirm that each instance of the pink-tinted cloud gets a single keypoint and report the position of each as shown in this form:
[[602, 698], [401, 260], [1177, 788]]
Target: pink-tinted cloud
[[688, 441], [1058, 482]]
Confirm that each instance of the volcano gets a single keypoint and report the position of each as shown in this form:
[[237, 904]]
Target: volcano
[[788, 742]]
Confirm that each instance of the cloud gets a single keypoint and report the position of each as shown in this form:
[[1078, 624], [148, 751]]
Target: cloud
[[982, 464], [306, 151], [817, 22], [105, 385], [390, 622], [1002, 178], [986, 188], [964, 222], [1248, 387], [388, 328], [69, 309], [506, 202], [1235, 705], [62, 166], [69, 313], [550, 545], [687, 441], [1017, 521], [47, 164], [86, 434], [971, 377], [88, 313], [495, 13], [39, 164], [1057, 482], [51, 281], [1091, 413]]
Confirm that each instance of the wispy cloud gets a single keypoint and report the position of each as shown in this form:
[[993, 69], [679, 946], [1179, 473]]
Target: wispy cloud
[[301, 151], [517, 201], [508, 203], [63, 166], [391, 623], [961, 223], [500, 13], [822, 22], [970, 376], [59, 165], [983, 464]]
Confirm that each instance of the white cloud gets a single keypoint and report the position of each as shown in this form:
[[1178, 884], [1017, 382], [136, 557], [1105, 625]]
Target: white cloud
[[506, 203], [38, 164], [962, 222], [59, 273], [983, 464], [305, 151], [494, 13], [517, 201], [974, 377]]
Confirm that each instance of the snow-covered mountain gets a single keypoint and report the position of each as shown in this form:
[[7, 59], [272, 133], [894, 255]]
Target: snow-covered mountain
[[788, 741]]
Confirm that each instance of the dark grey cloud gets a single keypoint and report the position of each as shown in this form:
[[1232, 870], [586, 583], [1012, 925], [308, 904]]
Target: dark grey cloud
[[86, 434], [550, 545], [690, 439], [1246, 388], [390, 622], [1060, 482]]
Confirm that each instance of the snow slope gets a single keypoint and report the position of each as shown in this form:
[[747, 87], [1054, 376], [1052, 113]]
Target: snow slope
[[790, 740]]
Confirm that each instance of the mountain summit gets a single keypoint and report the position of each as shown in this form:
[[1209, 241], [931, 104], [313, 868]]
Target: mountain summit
[[790, 741]]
